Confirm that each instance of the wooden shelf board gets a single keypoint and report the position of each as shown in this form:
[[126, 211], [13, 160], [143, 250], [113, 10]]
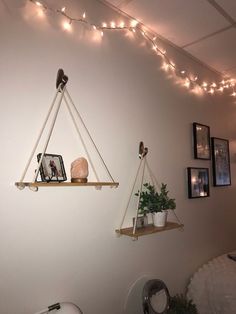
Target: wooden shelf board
[[60, 184], [148, 230]]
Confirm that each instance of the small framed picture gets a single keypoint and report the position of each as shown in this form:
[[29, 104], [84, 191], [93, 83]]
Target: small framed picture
[[201, 141], [142, 222], [198, 182], [220, 162], [52, 168]]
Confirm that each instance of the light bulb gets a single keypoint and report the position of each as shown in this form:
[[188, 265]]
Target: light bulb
[[84, 15], [104, 25], [122, 24], [133, 23], [187, 83], [211, 91], [63, 9], [113, 24], [94, 27], [67, 25], [234, 94], [39, 4]]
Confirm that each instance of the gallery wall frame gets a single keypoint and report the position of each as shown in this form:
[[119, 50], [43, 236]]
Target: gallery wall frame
[[220, 162], [201, 141], [198, 182]]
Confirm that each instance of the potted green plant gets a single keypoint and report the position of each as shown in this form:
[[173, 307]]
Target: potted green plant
[[179, 304], [157, 203]]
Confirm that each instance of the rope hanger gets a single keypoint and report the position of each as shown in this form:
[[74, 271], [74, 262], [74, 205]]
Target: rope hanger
[[62, 94]]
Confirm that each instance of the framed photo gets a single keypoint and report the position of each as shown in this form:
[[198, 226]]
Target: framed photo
[[142, 222], [52, 168], [198, 182], [201, 141], [220, 162]]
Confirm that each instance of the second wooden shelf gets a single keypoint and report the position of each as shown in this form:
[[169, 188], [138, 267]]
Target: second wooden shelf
[[148, 230]]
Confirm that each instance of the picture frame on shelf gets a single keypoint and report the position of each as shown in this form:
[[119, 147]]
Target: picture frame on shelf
[[198, 182], [220, 162], [52, 168], [142, 221], [201, 141]]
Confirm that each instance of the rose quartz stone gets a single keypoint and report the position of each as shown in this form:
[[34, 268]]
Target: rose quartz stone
[[79, 168]]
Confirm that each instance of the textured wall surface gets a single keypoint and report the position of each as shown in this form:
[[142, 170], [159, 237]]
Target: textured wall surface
[[59, 244]]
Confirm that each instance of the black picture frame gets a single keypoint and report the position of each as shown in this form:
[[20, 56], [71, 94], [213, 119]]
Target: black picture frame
[[198, 182], [52, 168], [201, 141], [220, 162]]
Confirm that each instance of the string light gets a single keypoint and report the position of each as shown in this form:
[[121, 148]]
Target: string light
[[189, 80], [113, 24], [67, 25]]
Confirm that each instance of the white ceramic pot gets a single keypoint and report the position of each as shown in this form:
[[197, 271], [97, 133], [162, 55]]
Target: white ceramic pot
[[160, 218]]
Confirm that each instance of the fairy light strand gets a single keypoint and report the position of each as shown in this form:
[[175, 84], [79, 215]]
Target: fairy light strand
[[189, 81]]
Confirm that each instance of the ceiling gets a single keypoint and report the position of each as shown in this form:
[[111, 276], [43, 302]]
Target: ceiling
[[204, 28]]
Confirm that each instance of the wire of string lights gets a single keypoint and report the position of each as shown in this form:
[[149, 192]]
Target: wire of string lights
[[189, 81]]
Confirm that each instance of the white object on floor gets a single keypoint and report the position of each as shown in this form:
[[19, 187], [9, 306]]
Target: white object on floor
[[213, 287], [61, 308]]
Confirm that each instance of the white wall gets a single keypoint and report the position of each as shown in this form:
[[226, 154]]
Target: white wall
[[59, 243]]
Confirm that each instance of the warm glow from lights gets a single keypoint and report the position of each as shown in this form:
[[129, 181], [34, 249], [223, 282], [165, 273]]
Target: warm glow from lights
[[113, 24], [67, 26], [134, 23], [165, 66], [187, 83], [41, 13], [122, 24], [211, 91], [187, 79]]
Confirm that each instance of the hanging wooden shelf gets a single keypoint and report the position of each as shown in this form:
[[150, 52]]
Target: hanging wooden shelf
[[148, 230], [63, 95], [135, 231], [60, 184]]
